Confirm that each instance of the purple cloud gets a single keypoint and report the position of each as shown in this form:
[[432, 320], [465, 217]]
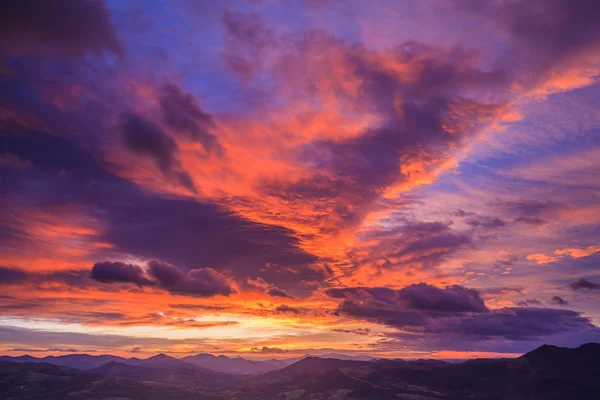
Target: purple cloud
[[144, 137], [69, 26], [114, 272], [559, 301], [277, 292], [202, 282], [11, 276], [183, 114], [455, 310], [583, 283]]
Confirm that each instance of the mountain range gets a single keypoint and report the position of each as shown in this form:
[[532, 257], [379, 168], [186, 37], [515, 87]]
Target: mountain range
[[229, 365], [546, 373]]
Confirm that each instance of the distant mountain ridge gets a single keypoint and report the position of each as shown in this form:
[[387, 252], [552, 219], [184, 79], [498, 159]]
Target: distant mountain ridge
[[546, 373], [238, 366], [220, 363]]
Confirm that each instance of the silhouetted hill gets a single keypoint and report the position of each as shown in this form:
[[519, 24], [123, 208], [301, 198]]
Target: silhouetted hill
[[310, 365], [160, 361], [43, 381], [78, 361], [229, 365], [546, 373], [186, 375]]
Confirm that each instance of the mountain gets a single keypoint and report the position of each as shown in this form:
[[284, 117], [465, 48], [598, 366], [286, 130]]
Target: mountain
[[239, 366], [78, 361], [312, 366], [184, 375], [339, 356], [546, 373], [44, 381], [158, 361]]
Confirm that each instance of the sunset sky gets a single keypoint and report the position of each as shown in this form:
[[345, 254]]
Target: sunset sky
[[415, 178]]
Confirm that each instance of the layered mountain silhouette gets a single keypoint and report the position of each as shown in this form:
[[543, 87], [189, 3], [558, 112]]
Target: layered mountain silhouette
[[236, 366], [546, 373]]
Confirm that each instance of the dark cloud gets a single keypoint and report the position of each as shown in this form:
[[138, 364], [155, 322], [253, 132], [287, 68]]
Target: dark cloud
[[503, 290], [419, 245], [450, 299], [529, 302], [268, 350], [521, 323], [67, 26], [543, 35], [284, 308], [455, 311], [54, 350], [202, 232], [529, 211], [247, 40], [10, 276], [111, 272], [179, 231], [584, 284], [202, 282], [356, 331], [16, 276], [277, 292], [421, 297], [145, 138], [531, 221], [557, 300], [183, 114], [430, 251], [485, 222]]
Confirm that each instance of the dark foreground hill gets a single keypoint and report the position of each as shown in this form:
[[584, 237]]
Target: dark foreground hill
[[42, 381], [188, 376], [547, 373]]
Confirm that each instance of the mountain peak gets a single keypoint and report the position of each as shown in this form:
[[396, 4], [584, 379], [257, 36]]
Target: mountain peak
[[161, 356]]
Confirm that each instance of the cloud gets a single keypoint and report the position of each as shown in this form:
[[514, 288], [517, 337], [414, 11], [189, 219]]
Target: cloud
[[529, 302], [202, 282], [182, 113], [67, 26], [284, 308], [583, 283], [112, 272], [418, 297], [546, 37], [578, 253], [455, 310], [356, 331], [11, 276], [17, 276], [52, 350], [144, 137], [559, 301], [486, 222], [531, 221], [277, 292], [268, 350], [540, 258], [246, 43], [176, 230]]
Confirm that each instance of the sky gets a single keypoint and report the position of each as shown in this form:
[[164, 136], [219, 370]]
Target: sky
[[268, 178]]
